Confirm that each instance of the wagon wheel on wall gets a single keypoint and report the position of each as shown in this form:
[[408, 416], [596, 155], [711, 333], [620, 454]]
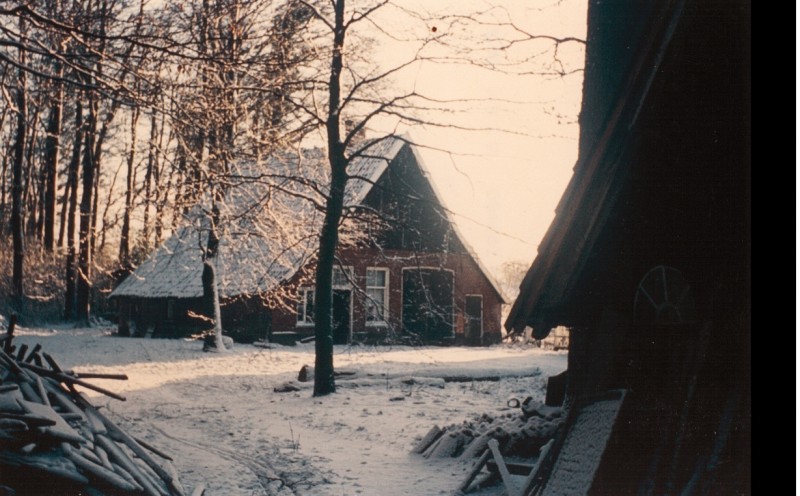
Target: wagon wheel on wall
[[663, 297]]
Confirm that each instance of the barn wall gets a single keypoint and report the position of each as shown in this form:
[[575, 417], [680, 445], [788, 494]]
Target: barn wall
[[245, 319]]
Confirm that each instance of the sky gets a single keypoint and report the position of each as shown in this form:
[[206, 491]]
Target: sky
[[503, 184]]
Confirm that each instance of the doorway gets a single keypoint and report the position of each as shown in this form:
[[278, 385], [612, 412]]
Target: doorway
[[428, 303], [473, 310], [341, 315]]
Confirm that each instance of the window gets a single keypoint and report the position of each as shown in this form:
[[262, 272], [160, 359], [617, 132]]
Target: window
[[305, 307], [377, 296], [342, 278]]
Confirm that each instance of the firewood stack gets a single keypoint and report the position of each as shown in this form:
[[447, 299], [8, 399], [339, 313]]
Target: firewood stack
[[53, 441]]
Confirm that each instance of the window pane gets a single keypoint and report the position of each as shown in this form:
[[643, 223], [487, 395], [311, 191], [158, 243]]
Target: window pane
[[340, 278], [376, 277], [309, 306], [375, 304], [301, 308]]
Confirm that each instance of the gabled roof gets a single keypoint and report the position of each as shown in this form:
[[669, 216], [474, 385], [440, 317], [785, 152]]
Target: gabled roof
[[265, 246], [585, 207]]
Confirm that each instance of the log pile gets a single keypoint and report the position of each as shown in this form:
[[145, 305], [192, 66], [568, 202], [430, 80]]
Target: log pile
[[519, 433], [53, 441]]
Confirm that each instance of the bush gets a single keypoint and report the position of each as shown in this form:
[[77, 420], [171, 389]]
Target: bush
[[44, 285]]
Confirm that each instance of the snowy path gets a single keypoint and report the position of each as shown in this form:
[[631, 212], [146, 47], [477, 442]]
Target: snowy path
[[219, 417]]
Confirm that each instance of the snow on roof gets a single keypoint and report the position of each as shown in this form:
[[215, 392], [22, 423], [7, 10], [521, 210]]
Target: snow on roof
[[369, 166], [266, 242], [267, 232]]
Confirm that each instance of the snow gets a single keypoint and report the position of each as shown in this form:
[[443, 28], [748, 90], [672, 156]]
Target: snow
[[218, 416], [573, 472]]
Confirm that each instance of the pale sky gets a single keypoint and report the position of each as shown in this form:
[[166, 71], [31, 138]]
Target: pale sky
[[504, 187]]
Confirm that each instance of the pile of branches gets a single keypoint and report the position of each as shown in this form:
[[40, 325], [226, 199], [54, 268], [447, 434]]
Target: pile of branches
[[53, 441]]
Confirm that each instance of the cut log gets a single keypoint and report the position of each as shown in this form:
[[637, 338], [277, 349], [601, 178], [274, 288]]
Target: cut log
[[95, 471], [306, 373], [131, 443], [448, 445], [58, 468], [61, 397], [12, 324], [34, 353], [153, 449], [428, 439], [41, 390], [119, 458], [21, 352], [103, 456], [60, 429], [10, 362]]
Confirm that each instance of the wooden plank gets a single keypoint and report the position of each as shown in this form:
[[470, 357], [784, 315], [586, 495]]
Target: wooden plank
[[533, 475], [501, 465], [515, 468], [464, 487]]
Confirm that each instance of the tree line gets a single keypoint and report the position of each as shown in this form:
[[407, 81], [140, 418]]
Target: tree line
[[116, 117]]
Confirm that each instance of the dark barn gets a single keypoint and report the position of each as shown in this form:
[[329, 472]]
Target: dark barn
[[648, 259]]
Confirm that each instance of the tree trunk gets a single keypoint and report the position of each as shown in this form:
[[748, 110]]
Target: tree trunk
[[16, 191], [324, 382], [109, 198], [52, 148], [95, 197], [97, 160], [71, 199], [3, 196], [85, 232], [160, 193], [148, 182], [211, 305], [130, 183], [33, 180]]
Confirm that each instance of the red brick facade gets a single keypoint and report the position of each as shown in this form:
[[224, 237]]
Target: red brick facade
[[468, 280]]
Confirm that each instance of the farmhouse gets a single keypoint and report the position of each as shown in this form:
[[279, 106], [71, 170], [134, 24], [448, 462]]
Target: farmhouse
[[648, 258], [404, 272]]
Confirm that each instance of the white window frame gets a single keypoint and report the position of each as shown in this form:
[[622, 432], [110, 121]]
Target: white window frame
[[385, 321], [347, 270], [305, 321]]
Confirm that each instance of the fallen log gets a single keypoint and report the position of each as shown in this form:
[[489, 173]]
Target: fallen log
[[71, 381]]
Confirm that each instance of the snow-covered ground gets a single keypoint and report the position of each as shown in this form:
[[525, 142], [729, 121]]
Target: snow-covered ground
[[219, 417]]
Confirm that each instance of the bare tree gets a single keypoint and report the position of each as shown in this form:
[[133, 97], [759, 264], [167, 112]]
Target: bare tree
[[358, 89], [19, 154]]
